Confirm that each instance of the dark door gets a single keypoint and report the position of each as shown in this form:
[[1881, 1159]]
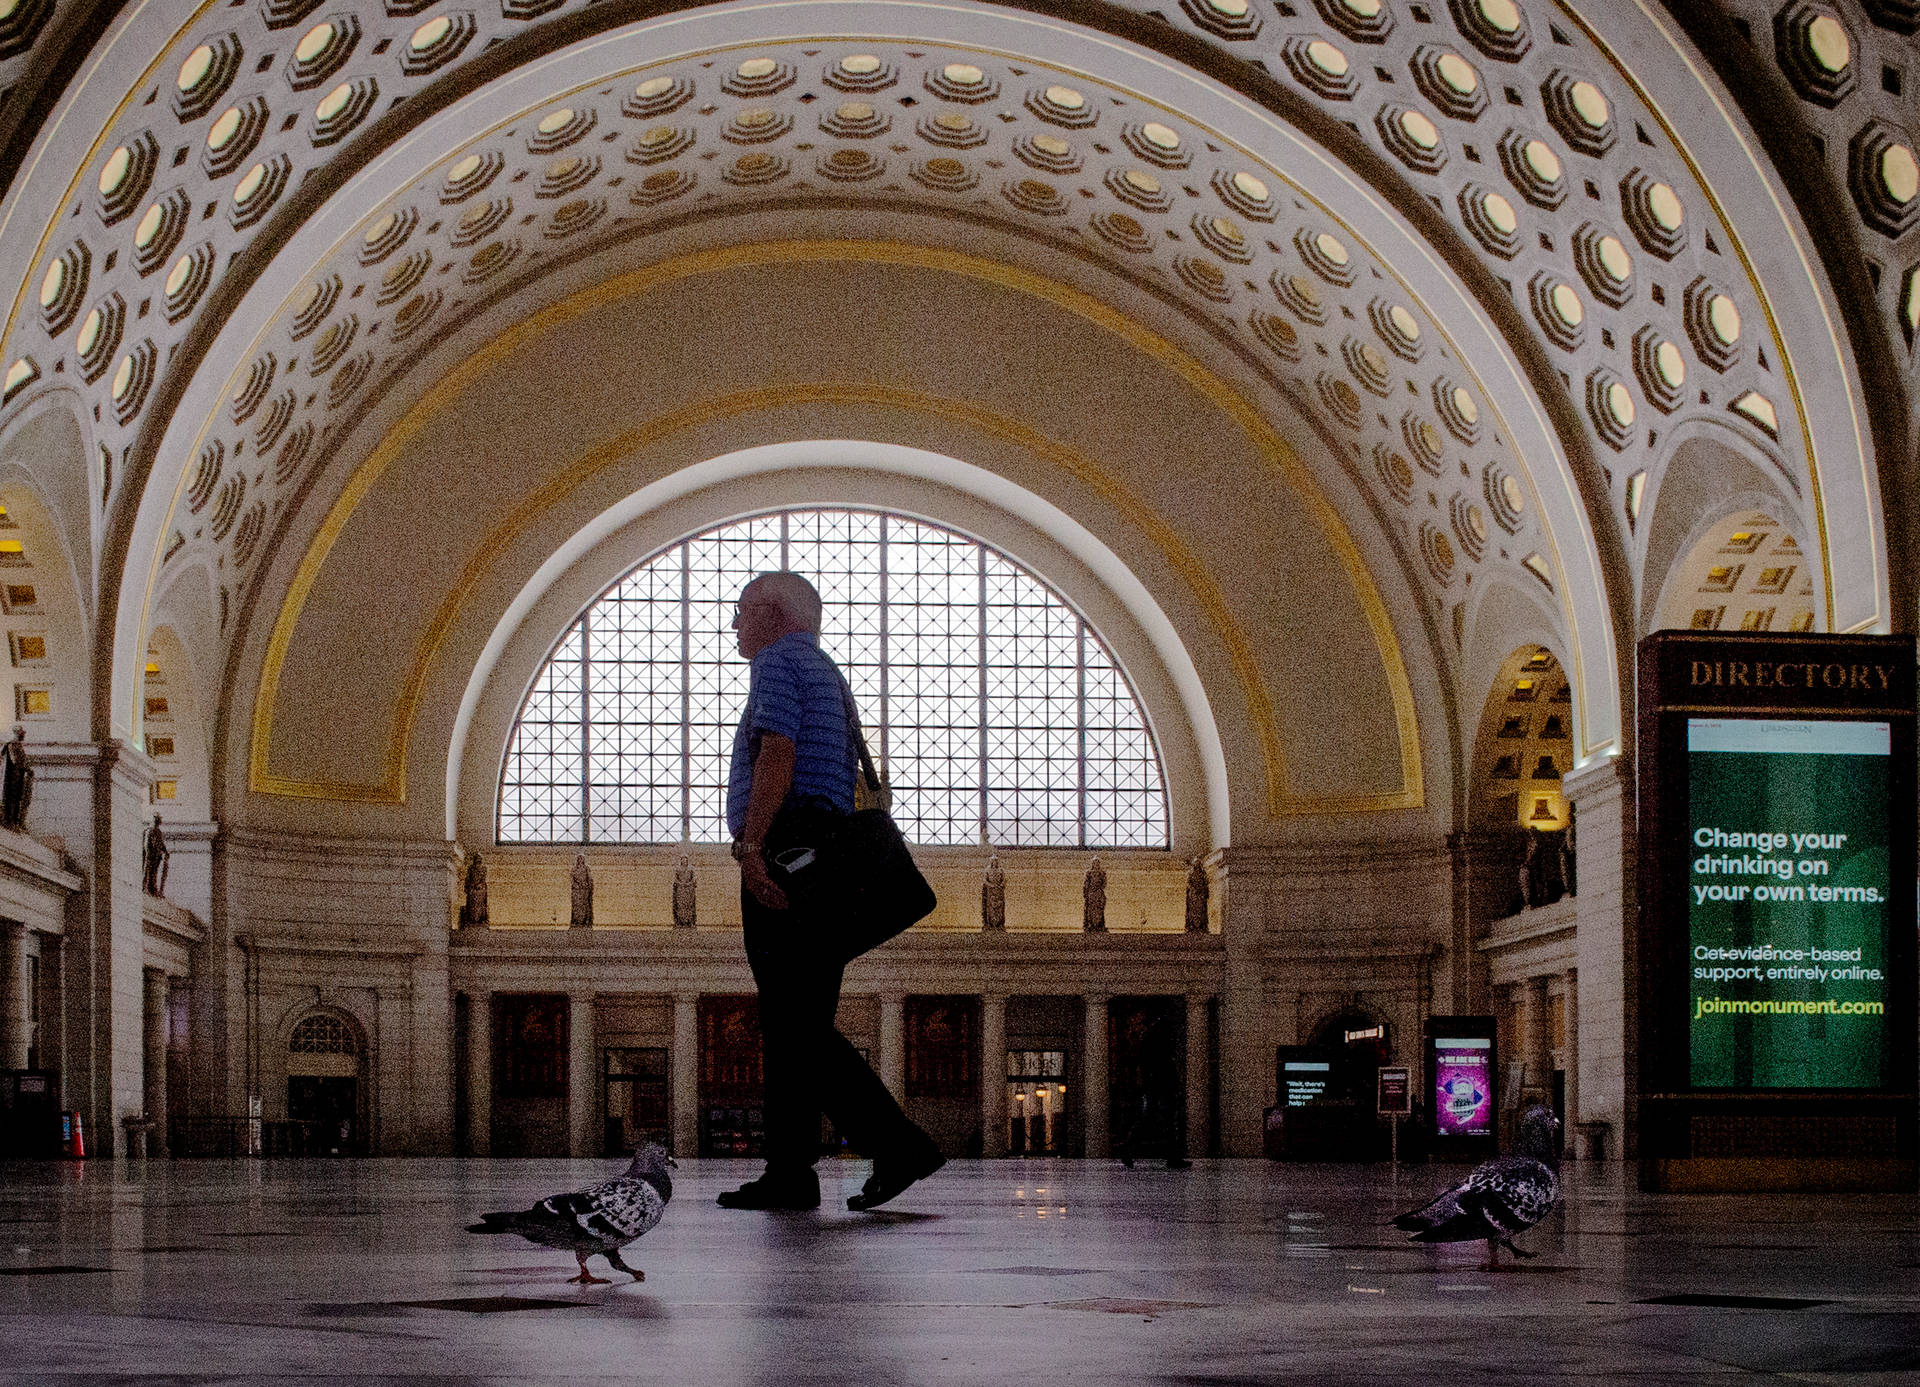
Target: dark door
[[332, 1106]]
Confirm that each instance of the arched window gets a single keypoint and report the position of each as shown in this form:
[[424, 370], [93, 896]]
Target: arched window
[[321, 1034], [998, 710]]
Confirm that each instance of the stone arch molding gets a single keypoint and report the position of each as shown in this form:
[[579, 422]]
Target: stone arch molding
[[1567, 552], [830, 472]]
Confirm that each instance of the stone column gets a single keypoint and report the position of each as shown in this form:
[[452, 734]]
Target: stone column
[[993, 1074], [93, 796], [1536, 1040], [1199, 1080], [154, 1050], [1606, 945], [480, 1073], [16, 1006], [583, 1077], [685, 1061], [893, 1044], [1093, 1079]]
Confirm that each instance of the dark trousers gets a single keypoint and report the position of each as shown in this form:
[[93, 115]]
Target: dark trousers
[[808, 1067]]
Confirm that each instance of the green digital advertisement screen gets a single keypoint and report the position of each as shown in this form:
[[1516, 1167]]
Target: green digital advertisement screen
[[1788, 903]]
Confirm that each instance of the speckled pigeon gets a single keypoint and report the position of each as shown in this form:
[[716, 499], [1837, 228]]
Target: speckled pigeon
[[1502, 1197], [603, 1219]]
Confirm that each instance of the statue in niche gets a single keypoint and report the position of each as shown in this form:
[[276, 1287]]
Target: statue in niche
[[993, 896], [1532, 875], [154, 857], [16, 781], [1199, 891], [1094, 894], [474, 912], [685, 899], [580, 894], [1566, 854]]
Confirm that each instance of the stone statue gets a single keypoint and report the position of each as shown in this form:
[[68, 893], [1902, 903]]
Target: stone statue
[[685, 900], [16, 781], [1566, 854], [1199, 889], [580, 894], [474, 912], [154, 859], [1094, 890], [993, 897], [1532, 888]]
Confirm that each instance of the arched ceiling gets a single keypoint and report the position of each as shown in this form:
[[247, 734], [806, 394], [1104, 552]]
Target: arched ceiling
[[1495, 270]]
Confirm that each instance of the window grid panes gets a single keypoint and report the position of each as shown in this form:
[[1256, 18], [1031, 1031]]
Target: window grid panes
[[994, 708]]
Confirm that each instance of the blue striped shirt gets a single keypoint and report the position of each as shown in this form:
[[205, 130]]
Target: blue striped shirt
[[793, 691]]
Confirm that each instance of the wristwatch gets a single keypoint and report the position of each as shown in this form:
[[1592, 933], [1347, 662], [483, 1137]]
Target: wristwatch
[[744, 848]]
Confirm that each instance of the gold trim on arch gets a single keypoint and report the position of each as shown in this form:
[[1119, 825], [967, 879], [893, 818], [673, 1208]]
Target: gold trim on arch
[[1273, 449]]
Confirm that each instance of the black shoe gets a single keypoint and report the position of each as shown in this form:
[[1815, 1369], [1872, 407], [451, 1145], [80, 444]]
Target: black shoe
[[891, 1176], [774, 1192], [1179, 1163]]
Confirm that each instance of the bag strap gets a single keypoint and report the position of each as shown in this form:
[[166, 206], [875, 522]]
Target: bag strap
[[859, 737]]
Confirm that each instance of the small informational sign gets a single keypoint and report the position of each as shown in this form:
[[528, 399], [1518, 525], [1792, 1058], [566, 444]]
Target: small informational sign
[[1396, 1092], [1463, 1086], [1306, 1081]]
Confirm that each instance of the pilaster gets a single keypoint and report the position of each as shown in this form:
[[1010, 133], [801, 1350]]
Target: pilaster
[[993, 1074], [1485, 864], [480, 1074], [16, 1005], [1093, 1083], [1606, 945], [1248, 898], [893, 1044], [93, 798], [583, 1076], [154, 1057], [1199, 1079], [685, 1059]]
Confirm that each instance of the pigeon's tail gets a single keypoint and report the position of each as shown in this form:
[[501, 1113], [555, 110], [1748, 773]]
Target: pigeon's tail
[[495, 1223], [1423, 1221]]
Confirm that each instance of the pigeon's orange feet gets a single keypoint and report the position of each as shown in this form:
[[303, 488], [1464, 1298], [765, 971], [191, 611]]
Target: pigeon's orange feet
[[586, 1278]]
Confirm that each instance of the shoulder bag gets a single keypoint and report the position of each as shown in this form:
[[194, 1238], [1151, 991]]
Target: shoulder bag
[[860, 876]]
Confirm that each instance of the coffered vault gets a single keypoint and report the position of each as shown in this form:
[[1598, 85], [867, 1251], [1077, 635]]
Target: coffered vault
[[1470, 252]]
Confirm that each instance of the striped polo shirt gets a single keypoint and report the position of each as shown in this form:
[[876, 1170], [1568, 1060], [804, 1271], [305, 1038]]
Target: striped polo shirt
[[793, 691]]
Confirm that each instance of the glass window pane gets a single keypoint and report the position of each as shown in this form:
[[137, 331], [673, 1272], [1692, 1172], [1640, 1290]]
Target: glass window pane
[[997, 710]]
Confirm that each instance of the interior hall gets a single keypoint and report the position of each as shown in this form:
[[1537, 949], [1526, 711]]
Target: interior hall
[[1241, 446]]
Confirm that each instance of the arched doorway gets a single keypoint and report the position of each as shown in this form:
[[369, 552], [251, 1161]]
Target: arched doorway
[[324, 1090]]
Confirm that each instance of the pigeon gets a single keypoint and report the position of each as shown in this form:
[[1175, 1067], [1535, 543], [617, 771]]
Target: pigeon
[[1502, 1197], [603, 1219]]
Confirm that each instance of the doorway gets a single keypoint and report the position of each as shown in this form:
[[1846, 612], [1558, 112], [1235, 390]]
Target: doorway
[[635, 1090], [324, 1092], [1036, 1102], [328, 1108]]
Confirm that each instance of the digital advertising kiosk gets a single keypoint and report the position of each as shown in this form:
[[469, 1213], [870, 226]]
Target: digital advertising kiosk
[[1775, 1017]]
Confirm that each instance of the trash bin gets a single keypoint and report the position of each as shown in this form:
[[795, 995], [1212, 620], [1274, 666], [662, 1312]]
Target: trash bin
[[136, 1129], [1593, 1140]]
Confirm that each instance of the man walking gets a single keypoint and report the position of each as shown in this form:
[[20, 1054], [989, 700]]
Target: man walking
[[792, 777]]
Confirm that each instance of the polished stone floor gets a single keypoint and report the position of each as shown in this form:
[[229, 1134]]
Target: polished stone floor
[[1008, 1272]]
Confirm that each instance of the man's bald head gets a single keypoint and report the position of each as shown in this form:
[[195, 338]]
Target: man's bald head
[[796, 598]]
